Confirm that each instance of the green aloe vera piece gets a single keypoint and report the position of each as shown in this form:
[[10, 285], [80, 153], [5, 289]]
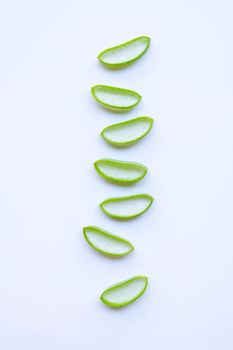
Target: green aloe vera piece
[[114, 97], [120, 171], [127, 207], [126, 53], [107, 243], [125, 292], [128, 132]]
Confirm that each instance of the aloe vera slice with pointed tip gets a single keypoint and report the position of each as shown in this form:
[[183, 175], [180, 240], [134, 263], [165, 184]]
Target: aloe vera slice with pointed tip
[[128, 132], [114, 97], [107, 243], [127, 207], [120, 171], [125, 292], [126, 53]]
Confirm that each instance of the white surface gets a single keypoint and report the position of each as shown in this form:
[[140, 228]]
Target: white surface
[[49, 138]]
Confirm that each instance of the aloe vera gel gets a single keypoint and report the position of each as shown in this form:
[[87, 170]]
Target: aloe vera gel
[[120, 172], [128, 132], [127, 207], [115, 98], [126, 53], [125, 292], [107, 243]]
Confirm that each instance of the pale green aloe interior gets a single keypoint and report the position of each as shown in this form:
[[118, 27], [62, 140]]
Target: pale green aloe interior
[[121, 172], [107, 243], [114, 97], [126, 52], [127, 207], [124, 293], [129, 131]]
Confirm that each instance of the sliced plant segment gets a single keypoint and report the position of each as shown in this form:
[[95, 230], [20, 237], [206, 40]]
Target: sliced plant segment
[[114, 97], [126, 53], [120, 171], [129, 132], [127, 207], [107, 243], [125, 292]]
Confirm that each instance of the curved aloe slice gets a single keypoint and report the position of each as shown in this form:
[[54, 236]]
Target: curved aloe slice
[[114, 97], [121, 55], [107, 243], [125, 292], [129, 132], [120, 171], [127, 207]]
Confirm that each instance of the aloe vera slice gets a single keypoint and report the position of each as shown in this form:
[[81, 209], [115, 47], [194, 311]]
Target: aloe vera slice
[[125, 292], [128, 132], [127, 207], [107, 243], [114, 97], [126, 53], [120, 171]]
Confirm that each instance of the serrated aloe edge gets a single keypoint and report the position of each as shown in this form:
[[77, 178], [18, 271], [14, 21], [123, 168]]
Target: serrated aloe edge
[[128, 132], [115, 98], [128, 207], [125, 292], [126, 53], [119, 171], [106, 243]]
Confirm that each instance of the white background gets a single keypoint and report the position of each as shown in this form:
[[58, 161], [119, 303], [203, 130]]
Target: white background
[[50, 280]]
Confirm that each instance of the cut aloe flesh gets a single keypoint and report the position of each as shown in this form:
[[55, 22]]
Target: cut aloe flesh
[[129, 132], [125, 292], [127, 207], [120, 171], [107, 243], [114, 97], [126, 53]]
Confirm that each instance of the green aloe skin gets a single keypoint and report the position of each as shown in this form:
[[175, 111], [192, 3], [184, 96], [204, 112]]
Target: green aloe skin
[[120, 172], [125, 292], [125, 208], [106, 243], [115, 98], [127, 133], [126, 53]]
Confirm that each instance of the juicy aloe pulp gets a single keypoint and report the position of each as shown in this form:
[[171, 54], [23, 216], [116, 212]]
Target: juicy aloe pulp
[[107, 243], [129, 132], [127, 207], [126, 53], [114, 97], [125, 292], [120, 171]]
